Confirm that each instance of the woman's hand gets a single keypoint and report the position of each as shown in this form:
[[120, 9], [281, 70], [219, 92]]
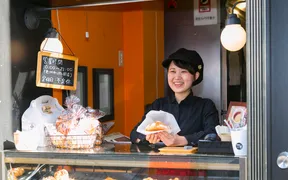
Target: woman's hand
[[172, 140], [152, 138]]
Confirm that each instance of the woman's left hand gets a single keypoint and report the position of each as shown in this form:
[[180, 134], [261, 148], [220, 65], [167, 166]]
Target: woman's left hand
[[172, 140]]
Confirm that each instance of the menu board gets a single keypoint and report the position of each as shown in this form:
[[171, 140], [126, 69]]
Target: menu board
[[57, 71]]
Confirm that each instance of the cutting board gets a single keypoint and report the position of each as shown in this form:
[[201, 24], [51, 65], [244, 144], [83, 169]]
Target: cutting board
[[178, 150]]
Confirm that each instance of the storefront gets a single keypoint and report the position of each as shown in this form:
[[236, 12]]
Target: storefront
[[266, 97]]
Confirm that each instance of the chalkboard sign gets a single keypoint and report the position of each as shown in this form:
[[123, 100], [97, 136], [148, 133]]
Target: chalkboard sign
[[57, 71]]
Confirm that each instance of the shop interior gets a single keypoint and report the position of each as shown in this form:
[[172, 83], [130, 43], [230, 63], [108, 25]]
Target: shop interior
[[120, 46], [107, 36]]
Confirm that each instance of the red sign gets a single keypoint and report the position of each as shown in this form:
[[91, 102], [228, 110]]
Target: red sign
[[172, 4], [204, 6]]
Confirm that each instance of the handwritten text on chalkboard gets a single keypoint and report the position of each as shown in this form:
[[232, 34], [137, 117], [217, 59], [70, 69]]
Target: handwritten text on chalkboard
[[57, 71]]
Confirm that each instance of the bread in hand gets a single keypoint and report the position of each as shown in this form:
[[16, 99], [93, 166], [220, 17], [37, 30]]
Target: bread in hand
[[157, 126]]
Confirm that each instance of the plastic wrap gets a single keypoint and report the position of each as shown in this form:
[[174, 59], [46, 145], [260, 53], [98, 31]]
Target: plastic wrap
[[77, 127]]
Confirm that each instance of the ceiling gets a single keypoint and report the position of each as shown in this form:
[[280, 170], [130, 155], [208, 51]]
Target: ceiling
[[72, 3], [77, 3]]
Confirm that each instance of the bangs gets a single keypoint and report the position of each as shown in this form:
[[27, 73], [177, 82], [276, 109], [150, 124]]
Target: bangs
[[185, 65]]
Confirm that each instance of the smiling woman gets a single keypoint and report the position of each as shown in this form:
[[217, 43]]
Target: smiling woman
[[195, 116]]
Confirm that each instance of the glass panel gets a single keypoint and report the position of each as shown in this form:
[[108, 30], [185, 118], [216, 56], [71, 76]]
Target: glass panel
[[117, 173], [124, 161], [104, 88], [79, 90]]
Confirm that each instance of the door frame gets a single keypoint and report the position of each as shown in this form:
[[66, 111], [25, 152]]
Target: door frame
[[259, 163], [5, 93]]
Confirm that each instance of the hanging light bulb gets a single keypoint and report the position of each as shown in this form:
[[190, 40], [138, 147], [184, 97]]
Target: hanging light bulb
[[52, 45], [51, 42], [233, 36]]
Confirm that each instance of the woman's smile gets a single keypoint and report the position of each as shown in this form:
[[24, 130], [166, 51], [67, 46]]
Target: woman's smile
[[178, 84], [179, 80]]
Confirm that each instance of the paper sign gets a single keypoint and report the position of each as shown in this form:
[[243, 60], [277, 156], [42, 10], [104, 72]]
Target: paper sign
[[205, 12]]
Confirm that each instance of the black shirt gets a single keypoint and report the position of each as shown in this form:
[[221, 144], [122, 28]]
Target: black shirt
[[195, 116]]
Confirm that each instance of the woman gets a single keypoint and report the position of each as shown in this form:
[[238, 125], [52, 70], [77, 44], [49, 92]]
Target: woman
[[195, 116]]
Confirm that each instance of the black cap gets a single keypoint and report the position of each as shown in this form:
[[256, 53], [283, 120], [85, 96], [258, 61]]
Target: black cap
[[188, 56]]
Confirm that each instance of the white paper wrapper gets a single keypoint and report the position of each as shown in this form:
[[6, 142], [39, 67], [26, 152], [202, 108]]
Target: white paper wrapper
[[165, 117], [26, 140], [35, 116]]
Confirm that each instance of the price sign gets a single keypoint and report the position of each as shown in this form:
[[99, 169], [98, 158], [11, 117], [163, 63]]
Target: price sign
[[56, 71]]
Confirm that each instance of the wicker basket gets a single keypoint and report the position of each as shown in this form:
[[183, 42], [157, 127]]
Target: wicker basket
[[72, 141]]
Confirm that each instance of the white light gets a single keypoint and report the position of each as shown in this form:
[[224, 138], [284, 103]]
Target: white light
[[236, 11], [51, 45], [233, 37], [241, 6]]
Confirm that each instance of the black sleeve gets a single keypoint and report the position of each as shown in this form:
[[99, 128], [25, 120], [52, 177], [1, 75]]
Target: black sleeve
[[210, 120], [134, 135]]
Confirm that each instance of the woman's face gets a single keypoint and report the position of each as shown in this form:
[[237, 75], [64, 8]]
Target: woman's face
[[179, 80]]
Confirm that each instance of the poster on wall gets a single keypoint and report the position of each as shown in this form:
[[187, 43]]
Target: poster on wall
[[205, 12]]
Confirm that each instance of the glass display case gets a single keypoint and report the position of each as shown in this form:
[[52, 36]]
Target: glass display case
[[124, 161]]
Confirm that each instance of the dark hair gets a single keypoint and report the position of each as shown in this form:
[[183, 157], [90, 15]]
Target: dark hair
[[184, 65]]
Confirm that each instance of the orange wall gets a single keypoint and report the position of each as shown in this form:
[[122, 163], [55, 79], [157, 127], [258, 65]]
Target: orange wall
[[153, 14], [131, 28], [133, 74], [144, 51], [99, 51]]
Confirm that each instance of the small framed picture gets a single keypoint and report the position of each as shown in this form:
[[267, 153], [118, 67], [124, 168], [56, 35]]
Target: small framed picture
[[103, 92], [237, 113], [81, 90]]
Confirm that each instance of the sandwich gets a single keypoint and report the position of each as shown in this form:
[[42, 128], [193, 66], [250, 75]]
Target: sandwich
[[157, 126]]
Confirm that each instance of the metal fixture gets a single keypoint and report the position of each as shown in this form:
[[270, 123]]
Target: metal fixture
[[233, 36], [282, 160], [31, 19], [51, 43]]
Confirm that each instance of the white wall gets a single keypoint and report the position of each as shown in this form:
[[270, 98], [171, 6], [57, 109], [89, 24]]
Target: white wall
[[5, 81]]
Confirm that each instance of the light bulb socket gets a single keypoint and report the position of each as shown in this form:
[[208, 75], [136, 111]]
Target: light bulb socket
[[51, 33], [233, 19]]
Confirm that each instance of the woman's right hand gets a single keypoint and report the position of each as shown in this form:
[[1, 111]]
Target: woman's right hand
[[152, 138]]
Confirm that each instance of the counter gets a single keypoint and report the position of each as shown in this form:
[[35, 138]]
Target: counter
[[127, 156]]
